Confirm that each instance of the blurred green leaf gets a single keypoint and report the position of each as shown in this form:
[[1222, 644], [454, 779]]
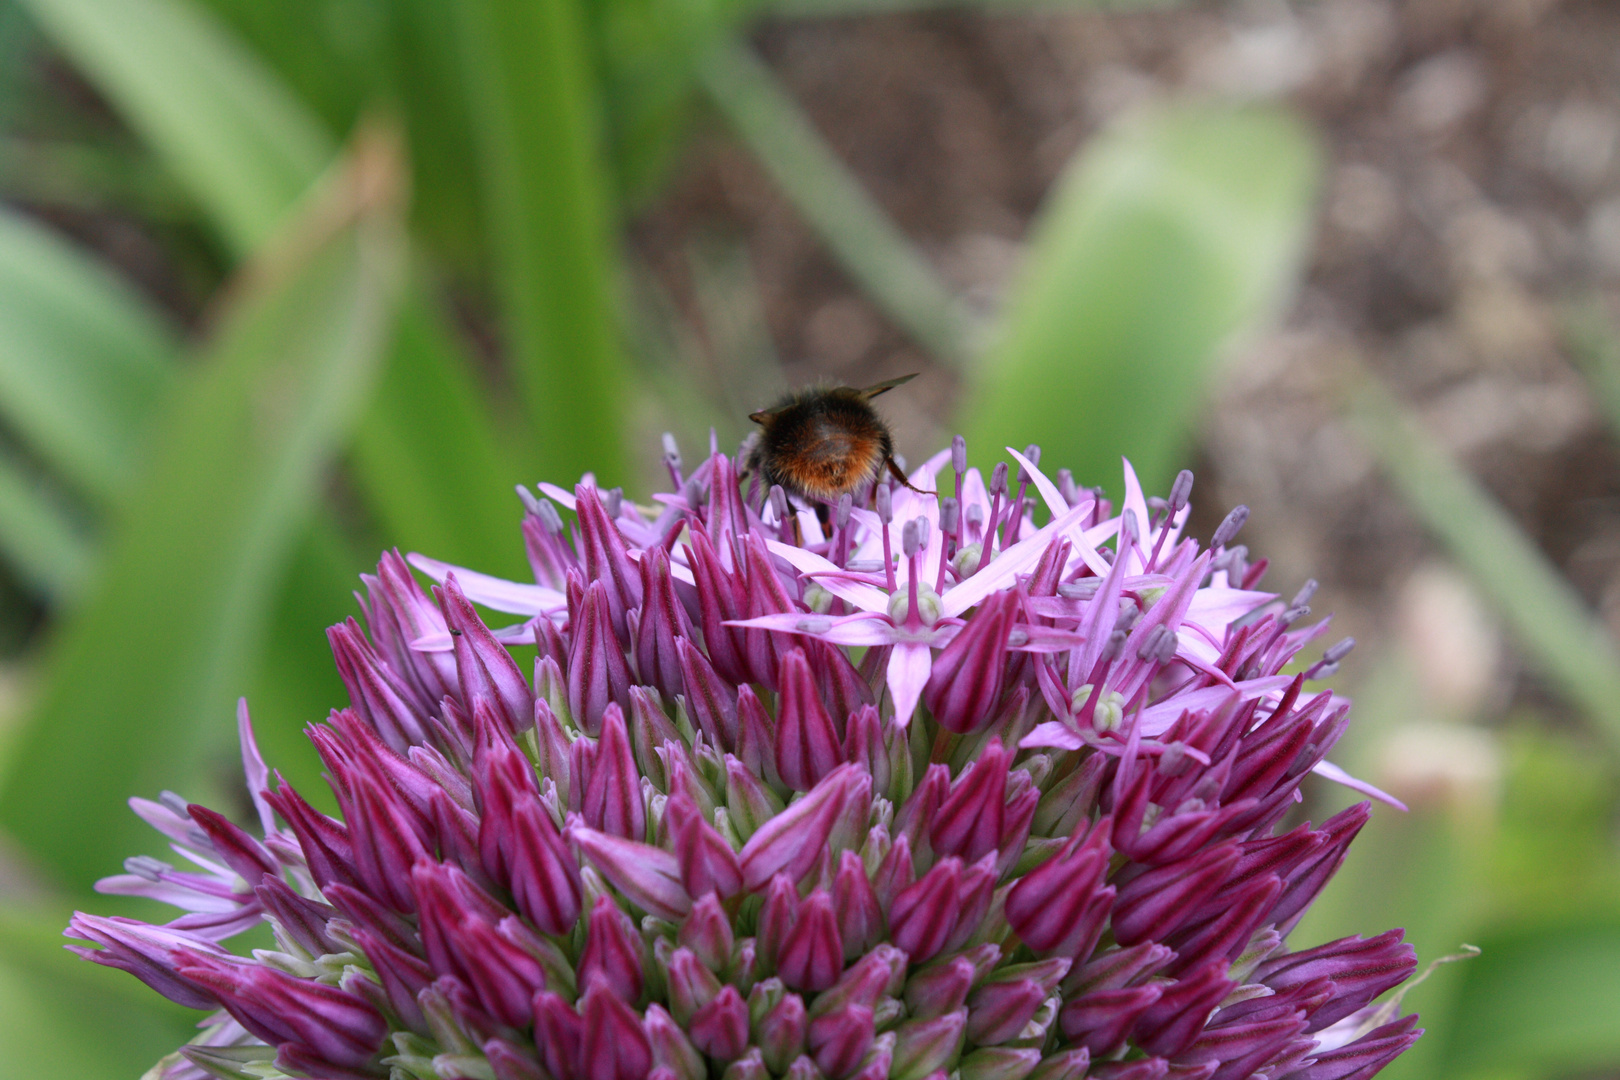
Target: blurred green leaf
[[82, 359], [535, 110], [155, 657], [429, 451], [429, 456], [1595, 347], [63, 1017], [40, 536], [1543, 1000], [1169, 234], [232, 134], [1565, 640], [857, 231]]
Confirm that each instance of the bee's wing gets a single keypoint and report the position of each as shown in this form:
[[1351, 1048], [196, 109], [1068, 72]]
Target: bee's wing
[[884, 387]]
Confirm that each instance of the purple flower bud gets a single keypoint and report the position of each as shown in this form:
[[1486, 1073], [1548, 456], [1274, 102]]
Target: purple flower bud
[[721, 599], [483, 666], [612, 1044], [791, 841], [720, 1028], [940, 987], [1173, 1023], [777, 915], [559, 1035], [750, 802], [710, 700], [1047, 907], [756, 736], [1153, 1068], [915, 817], [240, 851], [807, 743], [924, 913], [399, 612], [921, 1046], [387, 702], [612, 952], [968, 823], [1229, 930], [998, 1063], [1366, 1055], [1154, 904], [145, 952], [860, 918], [671, 1049], [839, 1039], [511, 1062], [751, 1066], [648, 877], [597, 672], [329, 1023], [863, 745], [1063, 1065], [894, 873], [387, 843], [323, 841], [1100, 1020], [1361, 969], [606, 559], [1305, 881], [611, 798], [811, 956], [781, 1032], [998, 1011], [878, 1059], [501, 968], [967, 677], [691, 985]]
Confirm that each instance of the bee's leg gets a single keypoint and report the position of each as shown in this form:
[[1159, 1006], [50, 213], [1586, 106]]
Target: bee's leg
[[824, 515], [894, 471]]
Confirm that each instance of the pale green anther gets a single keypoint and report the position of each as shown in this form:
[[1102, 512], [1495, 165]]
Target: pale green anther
[[967, 559], [1078, 699], [1110, 714], [1151, 596], [929, 606], [817, 598]]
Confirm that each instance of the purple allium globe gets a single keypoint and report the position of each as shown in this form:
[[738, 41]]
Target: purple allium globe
[[927, 790]]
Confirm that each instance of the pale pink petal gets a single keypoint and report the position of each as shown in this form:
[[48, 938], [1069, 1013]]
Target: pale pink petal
[[1135, 502], [677, 565], [865, 629], [1052, 733], [1049, 491], [493, 592], [1156, 719], [561, 495], [831, 577], [1004, 571], [254, 768], [1339, 776], [909, 665]]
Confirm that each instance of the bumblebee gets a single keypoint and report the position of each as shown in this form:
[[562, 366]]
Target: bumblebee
[[822, 443]]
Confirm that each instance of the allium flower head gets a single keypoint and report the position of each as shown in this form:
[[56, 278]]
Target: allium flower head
[[981, 780]]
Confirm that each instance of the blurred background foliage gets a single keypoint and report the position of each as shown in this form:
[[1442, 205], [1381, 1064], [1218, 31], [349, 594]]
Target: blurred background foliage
[[284, 283]]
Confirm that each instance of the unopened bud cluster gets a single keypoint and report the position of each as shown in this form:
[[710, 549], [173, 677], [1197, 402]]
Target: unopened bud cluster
[[918, 788]]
